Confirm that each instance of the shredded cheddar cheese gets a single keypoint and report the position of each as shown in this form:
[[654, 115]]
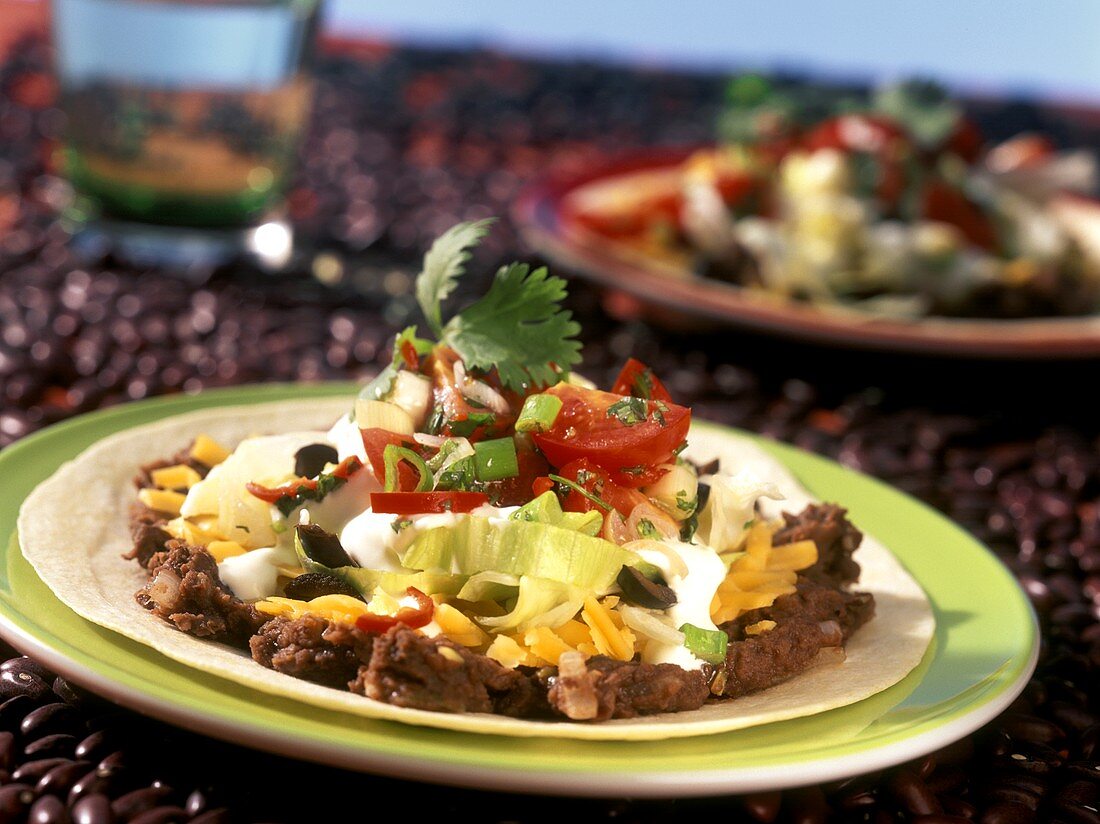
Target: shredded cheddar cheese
[[760, 575]]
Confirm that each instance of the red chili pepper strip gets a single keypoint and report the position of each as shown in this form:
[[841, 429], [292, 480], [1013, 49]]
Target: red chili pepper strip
[[415, 503], [344, 470], [408, 354], [414, 618]]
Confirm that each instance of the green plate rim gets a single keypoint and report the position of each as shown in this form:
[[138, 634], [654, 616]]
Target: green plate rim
[[149, 682]]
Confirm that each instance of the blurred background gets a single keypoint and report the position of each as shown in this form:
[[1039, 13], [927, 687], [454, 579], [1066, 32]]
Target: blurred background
[[982, 47], [422, 114]]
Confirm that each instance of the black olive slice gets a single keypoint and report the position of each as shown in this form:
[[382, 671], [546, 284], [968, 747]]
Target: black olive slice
[[309, 461], [637, 589], [312, 585], [322, 547]]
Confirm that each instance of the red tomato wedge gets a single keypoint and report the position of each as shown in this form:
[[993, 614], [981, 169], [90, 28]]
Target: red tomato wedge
[[944, 202], [416, 503], [375, 441], [638, 380], [626, 437], [413, 617], [596, 483]]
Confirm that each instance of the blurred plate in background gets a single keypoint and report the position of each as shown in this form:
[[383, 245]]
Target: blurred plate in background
[[669, 291]]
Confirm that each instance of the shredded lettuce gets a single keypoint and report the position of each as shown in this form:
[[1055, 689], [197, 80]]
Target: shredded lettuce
[[540, 603]]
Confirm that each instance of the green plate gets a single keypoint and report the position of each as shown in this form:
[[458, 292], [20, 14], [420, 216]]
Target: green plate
[[982, 655]]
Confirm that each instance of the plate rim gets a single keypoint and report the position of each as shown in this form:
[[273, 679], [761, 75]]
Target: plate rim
[[537, 214], [649, 783]]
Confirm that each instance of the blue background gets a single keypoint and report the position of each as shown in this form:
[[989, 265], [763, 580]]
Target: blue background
[[1047, 48]]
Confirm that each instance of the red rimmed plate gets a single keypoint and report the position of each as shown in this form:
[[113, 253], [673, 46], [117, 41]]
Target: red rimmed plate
[[542, 215]]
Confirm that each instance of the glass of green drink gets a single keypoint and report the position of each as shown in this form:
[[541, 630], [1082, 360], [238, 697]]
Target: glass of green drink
[[184, 119]]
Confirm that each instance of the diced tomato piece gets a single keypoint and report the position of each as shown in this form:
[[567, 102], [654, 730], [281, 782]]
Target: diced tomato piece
[[412, 617], [624, 436], [877, 137], [516, 491], [944, 202], [541, 485], [416, 503], [632, 219], [375, 441], [860, 132], [459, 415], [966, 141], [409, 355], [599, 484], [638, 380], [1024, 151]]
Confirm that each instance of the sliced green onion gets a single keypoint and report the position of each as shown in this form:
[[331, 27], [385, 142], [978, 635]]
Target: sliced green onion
[[393, 455], [495, 460], [538, 413], [708, 644], [446, 450], [466, 427], [459, 476], [578, 488]]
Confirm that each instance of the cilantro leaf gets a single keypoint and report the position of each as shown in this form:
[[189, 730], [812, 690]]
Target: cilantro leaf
[[443, 265], [519, 327]]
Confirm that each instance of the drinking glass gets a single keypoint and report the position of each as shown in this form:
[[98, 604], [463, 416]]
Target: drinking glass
[[184, 118]]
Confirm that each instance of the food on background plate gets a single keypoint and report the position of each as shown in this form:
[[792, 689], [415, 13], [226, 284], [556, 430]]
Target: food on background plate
[[894, 205], [484, 532]]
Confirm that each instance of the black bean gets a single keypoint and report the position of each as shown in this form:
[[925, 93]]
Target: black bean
[[15, 801], [763, 806], [136, 802], [196, 802], [98, 781], [95, 745], [69, 692], [913, 794], [60, 779], [7, 750], [805, 806], [1007, 812], [1089, 770], [92, 809], [1078, 794], [221, 815], [858, 800], [47, 719], [55, 744], [943, 780], [1029, 728], [958, 806], [28, 665], [31, 772], [19, 682], [48, 810], [161, 815], [1015, 794]]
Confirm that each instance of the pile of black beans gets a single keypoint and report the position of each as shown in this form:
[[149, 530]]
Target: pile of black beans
[[406, 142]]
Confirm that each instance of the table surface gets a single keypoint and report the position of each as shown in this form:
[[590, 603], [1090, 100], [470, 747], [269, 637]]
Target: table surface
[[406, 142]]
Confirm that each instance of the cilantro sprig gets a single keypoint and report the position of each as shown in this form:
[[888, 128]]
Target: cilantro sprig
[[517, 327], [444, 264]]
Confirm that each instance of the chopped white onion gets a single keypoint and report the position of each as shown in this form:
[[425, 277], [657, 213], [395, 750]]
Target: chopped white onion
[[660, 554], [647, 624], [429, 440], [480, 392]]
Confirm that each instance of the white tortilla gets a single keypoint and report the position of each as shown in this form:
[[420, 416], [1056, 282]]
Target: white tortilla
[[74, 528]]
